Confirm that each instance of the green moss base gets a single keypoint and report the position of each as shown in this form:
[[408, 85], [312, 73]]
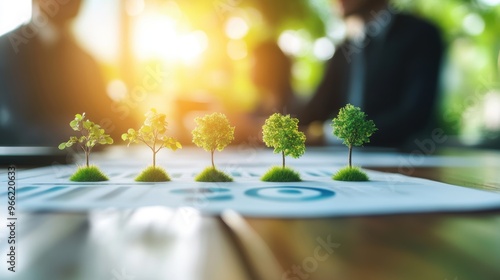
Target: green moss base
[[153, 174], [350, 174], [211, 174], [90, 173], [280, 174]]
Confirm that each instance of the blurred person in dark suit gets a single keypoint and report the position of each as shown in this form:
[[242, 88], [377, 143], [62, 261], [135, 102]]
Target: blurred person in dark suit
[[46, 78], [390, 70], [271, 74]]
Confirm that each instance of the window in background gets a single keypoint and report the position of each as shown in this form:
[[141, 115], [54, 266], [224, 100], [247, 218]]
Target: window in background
[[13, 14], [97, 29]]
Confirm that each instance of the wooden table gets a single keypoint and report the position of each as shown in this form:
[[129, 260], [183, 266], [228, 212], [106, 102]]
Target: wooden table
[[116, 245]]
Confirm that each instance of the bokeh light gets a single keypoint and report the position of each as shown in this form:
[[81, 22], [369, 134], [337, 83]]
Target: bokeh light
[[473, 24], [490, 3], [236, 28], [323, 48], [192, 45], [491, 111], [155, 36], [291, 43], [117, 90]]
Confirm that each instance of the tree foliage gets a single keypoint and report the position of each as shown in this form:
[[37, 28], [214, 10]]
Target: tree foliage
[[213, 132], [153, 134], [282, 133], [91, 135], [352, 126]]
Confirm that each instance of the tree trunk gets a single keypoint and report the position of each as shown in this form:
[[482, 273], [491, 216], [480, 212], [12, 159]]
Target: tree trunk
[[87, 158], [154, 160], [350, 156], [212, 154], [283, 156]]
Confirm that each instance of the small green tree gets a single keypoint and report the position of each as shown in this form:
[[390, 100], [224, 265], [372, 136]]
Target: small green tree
[[282, 133], [213, 132], [353, 128], [91, 135], [153, 134]]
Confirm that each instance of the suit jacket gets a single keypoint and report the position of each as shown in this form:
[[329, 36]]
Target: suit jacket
[[400, 81]]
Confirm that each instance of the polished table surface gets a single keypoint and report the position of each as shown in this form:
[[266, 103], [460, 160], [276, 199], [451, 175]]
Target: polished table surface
[[134, 245]]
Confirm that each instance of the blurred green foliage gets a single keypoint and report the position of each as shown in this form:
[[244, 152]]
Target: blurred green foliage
[[471, 69]]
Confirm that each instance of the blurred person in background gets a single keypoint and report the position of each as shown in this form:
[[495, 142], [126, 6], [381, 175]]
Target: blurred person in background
[[270, 73], [46, 78], [389, 69]]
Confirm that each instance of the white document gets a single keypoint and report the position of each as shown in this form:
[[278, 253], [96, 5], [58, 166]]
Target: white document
[[317, 195]]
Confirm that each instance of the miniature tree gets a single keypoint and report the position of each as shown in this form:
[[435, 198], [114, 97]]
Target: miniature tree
[[282, 133], [213, 132], [153, 134], [354, 129], [91, 135]]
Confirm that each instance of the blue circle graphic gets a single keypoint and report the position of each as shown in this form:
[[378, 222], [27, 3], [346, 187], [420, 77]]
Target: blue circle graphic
[[290, 193]]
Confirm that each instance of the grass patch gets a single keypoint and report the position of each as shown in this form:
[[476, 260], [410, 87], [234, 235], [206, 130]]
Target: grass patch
[[90, 173], [280, 174], [211, 174], [350, 174], [153, 174]]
